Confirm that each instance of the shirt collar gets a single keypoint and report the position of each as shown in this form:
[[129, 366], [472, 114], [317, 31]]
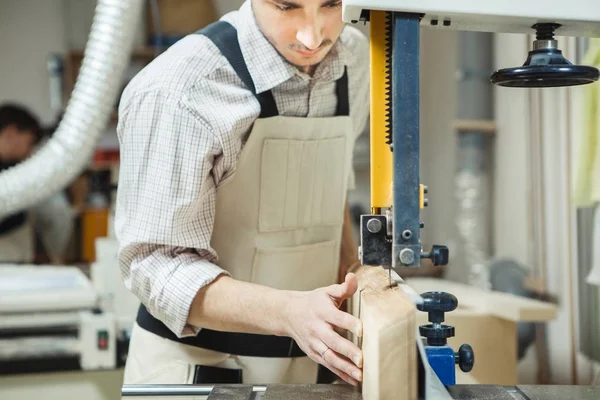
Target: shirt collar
[[258, 53]]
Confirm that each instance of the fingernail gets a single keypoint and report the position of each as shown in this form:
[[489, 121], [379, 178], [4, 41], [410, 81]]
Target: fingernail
[[358, 361], [356, 375]]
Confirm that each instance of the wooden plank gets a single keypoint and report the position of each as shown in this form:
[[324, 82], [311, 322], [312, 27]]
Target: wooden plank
[[388, 341], [502, 305]]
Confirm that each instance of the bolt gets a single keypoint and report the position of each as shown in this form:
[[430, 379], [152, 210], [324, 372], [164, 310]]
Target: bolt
[[407, 256], [425, 189], [426, 202], [374, 225], [447, 22], [407, 234], [422, 224], [360, 254], [434, 22]]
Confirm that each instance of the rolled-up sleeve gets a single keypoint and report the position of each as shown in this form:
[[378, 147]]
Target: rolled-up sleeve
[[166, 204]]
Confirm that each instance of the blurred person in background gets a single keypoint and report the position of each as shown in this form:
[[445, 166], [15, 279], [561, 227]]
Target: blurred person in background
[[52, 219]]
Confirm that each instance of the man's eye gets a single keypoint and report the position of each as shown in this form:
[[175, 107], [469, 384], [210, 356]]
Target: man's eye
[[283, 8]]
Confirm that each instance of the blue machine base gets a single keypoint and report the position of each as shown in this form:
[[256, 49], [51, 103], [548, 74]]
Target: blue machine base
[[441, 359]]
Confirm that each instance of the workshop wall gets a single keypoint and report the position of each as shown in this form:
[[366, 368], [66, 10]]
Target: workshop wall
[[30, 32]]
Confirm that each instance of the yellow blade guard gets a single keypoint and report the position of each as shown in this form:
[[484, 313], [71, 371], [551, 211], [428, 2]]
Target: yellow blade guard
[[381, 154]]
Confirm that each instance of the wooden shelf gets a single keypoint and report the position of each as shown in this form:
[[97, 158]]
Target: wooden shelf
[[473, 125]]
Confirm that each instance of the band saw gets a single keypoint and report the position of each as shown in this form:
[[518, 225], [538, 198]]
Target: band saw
[[390, 234]]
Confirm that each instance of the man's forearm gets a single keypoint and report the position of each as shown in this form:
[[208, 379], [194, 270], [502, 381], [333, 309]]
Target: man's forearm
[[235, 306]]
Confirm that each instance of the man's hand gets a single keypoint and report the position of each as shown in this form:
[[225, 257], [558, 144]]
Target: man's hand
[[311, 320]]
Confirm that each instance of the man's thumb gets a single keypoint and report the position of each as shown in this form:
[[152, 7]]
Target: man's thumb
[[349, 286]]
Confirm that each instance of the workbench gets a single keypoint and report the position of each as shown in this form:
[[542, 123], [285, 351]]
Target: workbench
[[346, 392]]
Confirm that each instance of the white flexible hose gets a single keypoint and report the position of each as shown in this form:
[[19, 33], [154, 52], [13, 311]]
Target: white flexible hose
[[63, 157]]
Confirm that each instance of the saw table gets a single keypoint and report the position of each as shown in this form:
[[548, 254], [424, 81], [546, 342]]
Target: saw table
[[346, 392]]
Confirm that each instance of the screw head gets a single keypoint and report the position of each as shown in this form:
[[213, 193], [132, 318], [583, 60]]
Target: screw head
[[407, 256], [374, 225]]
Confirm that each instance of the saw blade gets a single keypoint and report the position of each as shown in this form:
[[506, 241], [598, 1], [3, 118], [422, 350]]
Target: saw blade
[[389, 22]]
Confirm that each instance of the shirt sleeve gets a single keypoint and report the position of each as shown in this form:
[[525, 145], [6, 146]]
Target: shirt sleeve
[[166, 205]]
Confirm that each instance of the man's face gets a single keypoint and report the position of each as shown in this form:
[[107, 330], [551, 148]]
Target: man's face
[[302, 31], [17, 145]]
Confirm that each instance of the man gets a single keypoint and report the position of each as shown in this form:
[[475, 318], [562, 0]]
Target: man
[[20, 131], [236, 156]]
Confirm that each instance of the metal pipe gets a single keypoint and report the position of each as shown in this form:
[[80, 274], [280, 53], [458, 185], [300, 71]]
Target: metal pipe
[[176, 390]]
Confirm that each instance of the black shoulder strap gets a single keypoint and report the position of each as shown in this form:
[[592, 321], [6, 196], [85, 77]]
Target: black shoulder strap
[[224, 36], [341, 90], [12, 222]]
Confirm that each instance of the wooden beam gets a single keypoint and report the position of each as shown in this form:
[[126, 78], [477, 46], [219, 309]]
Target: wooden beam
[[390, 354]]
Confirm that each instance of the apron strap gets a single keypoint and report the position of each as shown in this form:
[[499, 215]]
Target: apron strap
[[224, 36], [12, 222], [241, 344], [341, 90]]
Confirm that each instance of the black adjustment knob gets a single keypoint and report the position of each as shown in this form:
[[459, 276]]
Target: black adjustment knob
[[545, 66], [439, 255], [437, 335], [465, 358], [436, 304]]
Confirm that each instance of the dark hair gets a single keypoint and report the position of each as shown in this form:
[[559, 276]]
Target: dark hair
[[23, 119]]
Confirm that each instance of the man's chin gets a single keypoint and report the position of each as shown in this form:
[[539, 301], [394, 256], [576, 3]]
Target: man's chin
[[305, 62]]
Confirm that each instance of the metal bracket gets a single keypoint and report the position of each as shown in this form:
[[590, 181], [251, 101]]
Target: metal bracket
[[406, 248]]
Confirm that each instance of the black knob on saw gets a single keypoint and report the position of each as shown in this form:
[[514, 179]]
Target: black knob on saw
[[436, 304], [465, 358], [439, 255], [545, 66], [436, 334]]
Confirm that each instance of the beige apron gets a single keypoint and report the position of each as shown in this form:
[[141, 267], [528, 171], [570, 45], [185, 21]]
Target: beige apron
[[17, 246], [278, 223]]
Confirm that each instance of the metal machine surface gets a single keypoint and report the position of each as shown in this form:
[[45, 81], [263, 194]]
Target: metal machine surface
[[578, 18], [345, 392], [51, 320]]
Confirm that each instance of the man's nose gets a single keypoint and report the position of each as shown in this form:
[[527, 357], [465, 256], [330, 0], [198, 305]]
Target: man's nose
[[310, 34]]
